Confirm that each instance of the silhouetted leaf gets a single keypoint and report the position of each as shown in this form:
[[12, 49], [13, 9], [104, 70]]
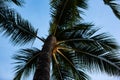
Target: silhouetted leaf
[[19, 30], [114, 6], [26, 62]]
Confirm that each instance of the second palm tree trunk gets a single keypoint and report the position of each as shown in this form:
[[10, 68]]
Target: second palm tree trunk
[[43, 66]]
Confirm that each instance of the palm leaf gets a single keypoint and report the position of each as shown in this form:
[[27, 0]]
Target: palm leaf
[[67, 69], [90, 57], [99, 59], [65, 12], [114, 6], [85, 34], [19, 30], [3, 3], [106, 41], [26, 62], [91, 48], [85, 29], [17, 2]]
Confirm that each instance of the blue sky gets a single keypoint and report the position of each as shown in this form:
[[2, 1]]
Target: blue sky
[[38, 13]]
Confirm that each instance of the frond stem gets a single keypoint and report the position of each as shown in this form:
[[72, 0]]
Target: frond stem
[[31, 33], [70, 40], [57, 64], [56, 61], [60, 17], [65, 57], [26, 30], [33, 58], [99, 57], [72, 65]]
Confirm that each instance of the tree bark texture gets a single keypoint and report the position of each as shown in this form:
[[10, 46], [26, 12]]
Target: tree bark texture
[[42, 71]]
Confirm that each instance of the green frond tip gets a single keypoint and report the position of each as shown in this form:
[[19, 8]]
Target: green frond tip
[[25, 62], [18, 2], [115, 6], [19, 30]]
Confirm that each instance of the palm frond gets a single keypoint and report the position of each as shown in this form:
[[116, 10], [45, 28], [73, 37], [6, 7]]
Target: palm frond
[[99, 59], [114, 6], [83, 28], [108, 66], [82, 4], [3, 4], [106, 41], [84, 34], [65, 12], [93, 59], [19, 30], [18, 2], [91, 48], [66, 68], [66, 74], [26, 62]]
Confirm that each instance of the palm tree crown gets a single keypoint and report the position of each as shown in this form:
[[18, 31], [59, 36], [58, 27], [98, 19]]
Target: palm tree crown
[[72, 47]]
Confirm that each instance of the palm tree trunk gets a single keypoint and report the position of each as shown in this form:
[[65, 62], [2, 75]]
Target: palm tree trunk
[[43, 66]]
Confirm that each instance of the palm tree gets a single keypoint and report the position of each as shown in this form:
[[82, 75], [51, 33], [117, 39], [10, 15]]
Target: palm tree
[[76, 50], [71, 48]]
